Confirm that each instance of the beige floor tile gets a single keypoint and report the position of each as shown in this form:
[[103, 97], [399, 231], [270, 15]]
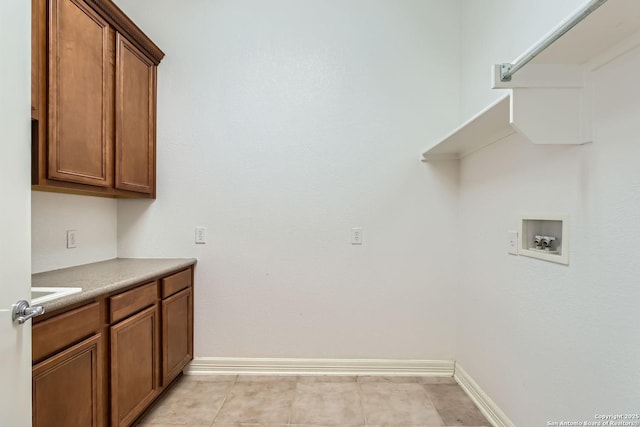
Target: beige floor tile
[[266, 378], [314, 401], [308, 379], [330, 404], [266, 402], [398, 404], [248, 425], [454, 406], [189, 402], [400, 379], [436, 380], [318, 425], [211, 378], [143, 424]]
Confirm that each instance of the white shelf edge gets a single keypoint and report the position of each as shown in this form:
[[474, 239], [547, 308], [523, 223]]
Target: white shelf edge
[[444, 156], [486, 127]]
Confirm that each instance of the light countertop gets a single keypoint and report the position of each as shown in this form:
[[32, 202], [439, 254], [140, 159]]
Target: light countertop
[[104, 277]]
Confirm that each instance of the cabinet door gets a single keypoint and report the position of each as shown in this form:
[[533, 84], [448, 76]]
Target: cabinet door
[[67, 386], [135, 119], [80, 95], [134, 366], [177, 334]]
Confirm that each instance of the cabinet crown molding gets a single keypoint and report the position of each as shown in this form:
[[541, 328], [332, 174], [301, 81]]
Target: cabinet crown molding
[[123, 24]]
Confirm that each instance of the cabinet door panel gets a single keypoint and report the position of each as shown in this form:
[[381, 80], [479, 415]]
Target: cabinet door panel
[[67, 387], [80, 94], [177, 334], [134, 366], [135, 119]]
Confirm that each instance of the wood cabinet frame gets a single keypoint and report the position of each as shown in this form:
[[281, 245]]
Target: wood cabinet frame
[[64, 170], [99, 326]]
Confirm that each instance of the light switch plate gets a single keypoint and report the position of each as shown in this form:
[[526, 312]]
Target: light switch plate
[[72, 241]]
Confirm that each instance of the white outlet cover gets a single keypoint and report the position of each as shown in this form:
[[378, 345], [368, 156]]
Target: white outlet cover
[[201, 235], [356, 236]]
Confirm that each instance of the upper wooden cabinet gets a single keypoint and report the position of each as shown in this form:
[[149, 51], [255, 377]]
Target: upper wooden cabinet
[[94, 100], [80, 94], [135, 118]]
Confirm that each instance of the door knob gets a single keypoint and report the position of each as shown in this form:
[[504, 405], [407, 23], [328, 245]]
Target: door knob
[[22, 312]]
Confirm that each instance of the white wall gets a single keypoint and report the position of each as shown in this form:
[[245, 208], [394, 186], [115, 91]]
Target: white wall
[[549, 342], [93, 218], [281, 125]]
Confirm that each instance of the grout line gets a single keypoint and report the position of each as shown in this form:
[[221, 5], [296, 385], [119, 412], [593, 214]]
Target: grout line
[[293, 402], [229, 388], [364, 413], [424, 389]]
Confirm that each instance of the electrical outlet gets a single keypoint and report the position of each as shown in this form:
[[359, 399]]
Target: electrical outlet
[[356, 236], [72, 241], [512, 242], [201, 235]]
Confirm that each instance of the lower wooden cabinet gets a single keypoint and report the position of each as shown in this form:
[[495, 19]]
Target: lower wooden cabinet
[[177, 334], [67, 387], [104, 363], [134, 366]]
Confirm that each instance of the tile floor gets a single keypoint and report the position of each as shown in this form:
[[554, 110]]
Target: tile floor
[[314, 401]]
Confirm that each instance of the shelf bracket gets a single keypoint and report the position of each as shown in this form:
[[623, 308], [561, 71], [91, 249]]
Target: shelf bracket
[[505, 72]]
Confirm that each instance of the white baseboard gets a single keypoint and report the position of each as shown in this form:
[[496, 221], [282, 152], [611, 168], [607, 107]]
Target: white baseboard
[[491, 411], [273, 366]]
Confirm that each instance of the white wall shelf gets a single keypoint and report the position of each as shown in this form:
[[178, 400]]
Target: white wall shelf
[[486, 127], [549, 101]]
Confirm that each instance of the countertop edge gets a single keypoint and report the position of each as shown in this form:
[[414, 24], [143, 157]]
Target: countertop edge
[[89, 293]]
